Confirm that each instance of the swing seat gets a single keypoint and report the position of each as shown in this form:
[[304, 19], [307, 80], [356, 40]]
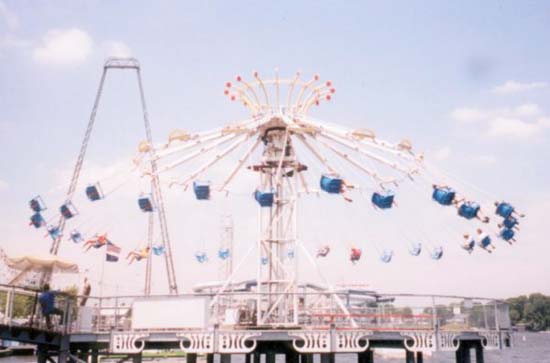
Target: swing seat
[[386, 256], [437, 253], [444, 196], [264, 260], [415, 249], [202, 190], [158, 250], [323, 251], [507, 234], [145, 204], [68, 210], [223, 253], [469, 246], [383, 200], [37, 204], [54, 232], [290, 254], [504, 210], [201, 257], [331, 184], [93, 192], [468, 210], [510, 222], [37, 220], [76, 236], [265, 199], [485, 242], [355, 254]]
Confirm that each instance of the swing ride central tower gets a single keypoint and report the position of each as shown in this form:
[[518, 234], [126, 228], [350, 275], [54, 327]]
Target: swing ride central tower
[[277, 301]]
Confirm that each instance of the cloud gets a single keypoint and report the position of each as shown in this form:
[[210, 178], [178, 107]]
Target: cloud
[[515, 87], [8, 17], [521, 122], [117, 49], [485, 159], [443, 153], [64, 47], [3, 185]]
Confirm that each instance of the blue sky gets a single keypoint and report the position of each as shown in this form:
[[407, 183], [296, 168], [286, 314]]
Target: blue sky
[[466, 81]]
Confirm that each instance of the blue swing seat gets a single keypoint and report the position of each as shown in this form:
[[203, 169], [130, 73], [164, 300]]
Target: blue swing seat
[[510, 222], [331, 184], [507, 234], [383, 200], [223, 253], [468, 210], [265, 199], [201, 189], [504, 209], [68, 210], [485, 242], [386, 256], [201, 257], [54, 232], [37, 220], [158, 250], [76, 236], [437, 253], [264, 260], [444, 195], [415, 249], [145, 204], [290, 254], [93, 192], [37, 204]]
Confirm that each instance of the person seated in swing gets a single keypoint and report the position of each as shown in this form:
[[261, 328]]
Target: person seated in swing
[[138, 255], [323, 251], [443, 194], [484, 241], [97, 241], [506, 210], [510, 223], [469, 243], [470, 210], [507, 235], [355, 255]]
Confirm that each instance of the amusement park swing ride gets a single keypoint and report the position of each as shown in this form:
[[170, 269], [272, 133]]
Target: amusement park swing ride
[[280, 143]]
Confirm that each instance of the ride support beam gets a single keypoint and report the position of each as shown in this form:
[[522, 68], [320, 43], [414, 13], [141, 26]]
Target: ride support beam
[[409, 357], [479, 353], [225, 358], [306, 358], [365, 357], [270, 357], [327, 358], [191, 358], [292, 357]]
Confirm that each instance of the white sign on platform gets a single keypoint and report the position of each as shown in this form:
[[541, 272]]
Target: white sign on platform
[[170, 313]]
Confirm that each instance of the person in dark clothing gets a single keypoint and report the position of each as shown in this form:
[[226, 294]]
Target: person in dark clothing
[[46, 299]]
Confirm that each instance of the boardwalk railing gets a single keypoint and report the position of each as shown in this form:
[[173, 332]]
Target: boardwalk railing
[[316, 310]]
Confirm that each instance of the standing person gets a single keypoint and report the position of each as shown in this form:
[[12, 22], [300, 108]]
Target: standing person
[[86, 290], [46, 299]]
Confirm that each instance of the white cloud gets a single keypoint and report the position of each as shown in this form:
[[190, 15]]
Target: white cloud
[[443, 153], [521, 122], [513, 127], [515, 87], [117, 49], [64, 47], [8, 17], [3, 185]]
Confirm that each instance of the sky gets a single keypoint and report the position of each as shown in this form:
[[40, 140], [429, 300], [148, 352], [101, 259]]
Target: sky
[[467, 82]]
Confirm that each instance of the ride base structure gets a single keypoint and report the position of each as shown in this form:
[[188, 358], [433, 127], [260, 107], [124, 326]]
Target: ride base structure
[[274, 313]]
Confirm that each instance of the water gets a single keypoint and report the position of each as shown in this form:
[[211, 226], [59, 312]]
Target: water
[[534, 349]]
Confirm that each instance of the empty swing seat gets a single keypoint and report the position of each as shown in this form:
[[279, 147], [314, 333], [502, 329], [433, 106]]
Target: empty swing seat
[[93, 192], [444, 195], [202, 190], [145, 204], [468, 210], [158, 250], [37, 204], [507, 234], [386, 256], [37, 220], [76, 236], [415, 249], [265, 199], [437, 253], [383, 200], [223, 253], [264, 260], [54, 232], [331, 184], [510, 222], [68, 210], [201, 257], [504, 209]]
